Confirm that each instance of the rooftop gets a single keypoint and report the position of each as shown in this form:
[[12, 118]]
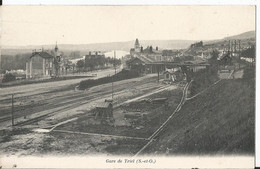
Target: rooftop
[[43, 54]]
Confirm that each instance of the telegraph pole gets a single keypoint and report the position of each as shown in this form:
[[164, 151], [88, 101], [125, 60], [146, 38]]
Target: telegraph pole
[[115, 60], [112, 88], [158, 73], [12, 109], [114, 64]]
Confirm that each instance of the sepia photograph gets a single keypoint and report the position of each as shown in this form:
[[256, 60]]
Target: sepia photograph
[[127, 81]]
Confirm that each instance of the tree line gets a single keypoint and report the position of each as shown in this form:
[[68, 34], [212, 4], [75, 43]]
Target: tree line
[[16, 62], [92, 63]]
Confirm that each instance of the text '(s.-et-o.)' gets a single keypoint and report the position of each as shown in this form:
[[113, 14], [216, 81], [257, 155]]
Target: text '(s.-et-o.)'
[[129, 161]]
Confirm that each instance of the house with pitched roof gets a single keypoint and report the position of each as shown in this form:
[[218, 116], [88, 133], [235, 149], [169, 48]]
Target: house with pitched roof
[[42, 64]]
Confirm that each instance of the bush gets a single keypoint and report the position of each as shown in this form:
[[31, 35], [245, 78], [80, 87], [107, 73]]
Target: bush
[[8, 77], [124, 74]]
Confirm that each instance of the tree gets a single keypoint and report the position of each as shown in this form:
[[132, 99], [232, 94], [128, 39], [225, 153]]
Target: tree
[[214, 57], [67, 65], [8, 77], [80, 65], [56, 66], [213, 61]]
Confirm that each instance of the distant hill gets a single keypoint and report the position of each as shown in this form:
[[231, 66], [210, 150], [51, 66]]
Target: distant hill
[[122, 46], [84, 48], [242, 36], [246, 35]]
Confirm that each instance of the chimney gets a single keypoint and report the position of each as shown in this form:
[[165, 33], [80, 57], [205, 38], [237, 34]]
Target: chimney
[[151, 48], [142, 49], [89, 53], [96, 53], [157, 48]]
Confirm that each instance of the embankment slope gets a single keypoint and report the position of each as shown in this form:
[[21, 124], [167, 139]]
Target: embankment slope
[[219, 121]]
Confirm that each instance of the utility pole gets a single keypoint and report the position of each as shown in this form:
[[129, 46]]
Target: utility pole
[[239, 46], [235, 46], [112, 88], [12, 109], [229, 45], [115, 61], [114, 64], [158, 77]]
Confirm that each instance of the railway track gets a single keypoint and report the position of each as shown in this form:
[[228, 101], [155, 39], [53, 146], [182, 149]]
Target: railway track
[[156, 133], [74, 103], [53, 101], [50, 106], [71, 105]]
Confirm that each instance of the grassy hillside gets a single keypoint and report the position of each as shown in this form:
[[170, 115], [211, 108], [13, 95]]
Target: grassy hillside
[[243, 37], [219, 121], [246, 35]]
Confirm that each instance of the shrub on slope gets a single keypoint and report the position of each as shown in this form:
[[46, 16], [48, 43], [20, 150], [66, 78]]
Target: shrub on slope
[[124, 74]]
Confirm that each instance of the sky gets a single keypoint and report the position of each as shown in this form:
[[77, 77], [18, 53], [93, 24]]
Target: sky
[[41, 25]]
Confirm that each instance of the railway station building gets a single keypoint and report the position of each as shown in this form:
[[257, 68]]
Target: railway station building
[[42, 63]]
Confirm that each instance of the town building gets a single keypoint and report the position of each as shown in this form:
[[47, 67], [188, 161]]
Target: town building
[[197, 44], [145, 60], [42, 64], [150, 60], [144, 65], [152, 54], [95, 56], [195, 65], [173, 75]]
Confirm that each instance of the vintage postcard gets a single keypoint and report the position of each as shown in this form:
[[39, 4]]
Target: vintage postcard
[[127, 86]]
